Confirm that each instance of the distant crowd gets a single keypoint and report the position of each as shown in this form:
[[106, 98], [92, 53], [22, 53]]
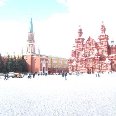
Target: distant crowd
[[32, 75]]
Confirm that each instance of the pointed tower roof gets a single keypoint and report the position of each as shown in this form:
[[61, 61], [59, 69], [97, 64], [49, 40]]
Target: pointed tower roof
[[103, 28], [80, 32], [31, 26]]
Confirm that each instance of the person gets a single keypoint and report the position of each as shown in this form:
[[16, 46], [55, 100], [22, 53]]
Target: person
[[62, 74], [65, 75], [98, 75], [45, 74], [29, 76], [6, 77], [33, 75]]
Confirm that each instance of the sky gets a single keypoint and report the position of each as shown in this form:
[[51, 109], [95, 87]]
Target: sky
[[55, 23]]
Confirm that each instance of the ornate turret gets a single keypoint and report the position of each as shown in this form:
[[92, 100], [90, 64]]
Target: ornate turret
[[103, 47], [79, 42], [103, 28], [103, 35], [80, 32]]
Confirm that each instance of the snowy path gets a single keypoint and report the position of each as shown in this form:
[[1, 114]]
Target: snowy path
[[84, 95]]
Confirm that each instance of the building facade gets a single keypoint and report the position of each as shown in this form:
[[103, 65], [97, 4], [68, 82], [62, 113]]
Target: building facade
[[57, 65], [90, 56]]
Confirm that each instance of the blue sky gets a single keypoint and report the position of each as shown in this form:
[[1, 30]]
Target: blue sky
[[55, 23], [19, 9]]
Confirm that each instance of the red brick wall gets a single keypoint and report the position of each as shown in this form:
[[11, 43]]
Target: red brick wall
[[33, 62]]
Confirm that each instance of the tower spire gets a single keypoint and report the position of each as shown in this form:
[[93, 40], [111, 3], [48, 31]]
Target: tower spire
[[31, 26], [31, 41]]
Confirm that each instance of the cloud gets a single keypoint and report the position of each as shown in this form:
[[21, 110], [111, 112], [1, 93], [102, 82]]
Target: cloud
[[90, 14], [62, 1], [2, 2], [58, 32], [13, 36], [55, 36]]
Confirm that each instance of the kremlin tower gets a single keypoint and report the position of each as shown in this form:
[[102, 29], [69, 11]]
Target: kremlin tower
[[36, 62], [42, 64]]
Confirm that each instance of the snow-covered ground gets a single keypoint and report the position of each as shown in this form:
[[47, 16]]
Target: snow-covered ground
[[84, 95]]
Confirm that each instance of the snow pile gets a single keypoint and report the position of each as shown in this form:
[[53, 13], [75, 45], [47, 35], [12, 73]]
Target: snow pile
[[84, 95]]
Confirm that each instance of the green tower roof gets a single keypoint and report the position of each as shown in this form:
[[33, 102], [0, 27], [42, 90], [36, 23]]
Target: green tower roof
[[31, 26]]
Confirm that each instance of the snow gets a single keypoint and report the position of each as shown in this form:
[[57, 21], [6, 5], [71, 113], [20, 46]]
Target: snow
[[83, 95]]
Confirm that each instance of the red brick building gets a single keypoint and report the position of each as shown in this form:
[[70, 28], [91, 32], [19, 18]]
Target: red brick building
[[42, 63], [89, 56], [36, 62]]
